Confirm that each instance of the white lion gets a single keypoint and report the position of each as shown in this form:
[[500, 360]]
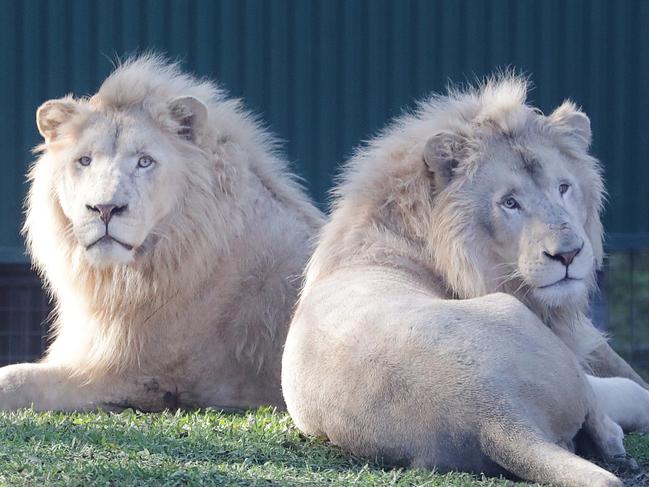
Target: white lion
[[171, 237], [441, 324]]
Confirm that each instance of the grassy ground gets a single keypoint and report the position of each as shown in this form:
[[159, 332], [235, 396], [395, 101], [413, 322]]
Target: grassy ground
[[198, 448]]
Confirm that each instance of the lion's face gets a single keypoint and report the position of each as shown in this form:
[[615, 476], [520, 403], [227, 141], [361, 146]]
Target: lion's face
[[116, 185], [118, 176], [530, 206], [533, 215]]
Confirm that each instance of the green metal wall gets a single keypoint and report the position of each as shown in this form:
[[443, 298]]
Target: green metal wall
[[327, 74]]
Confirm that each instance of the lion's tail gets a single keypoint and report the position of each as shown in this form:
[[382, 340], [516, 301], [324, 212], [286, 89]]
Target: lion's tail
[[525, 453]]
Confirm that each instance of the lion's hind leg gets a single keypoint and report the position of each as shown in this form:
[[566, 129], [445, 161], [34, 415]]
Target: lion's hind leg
[[526, 453]]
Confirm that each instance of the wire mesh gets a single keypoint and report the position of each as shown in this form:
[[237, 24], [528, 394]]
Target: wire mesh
[[24, 310], [627, 294]]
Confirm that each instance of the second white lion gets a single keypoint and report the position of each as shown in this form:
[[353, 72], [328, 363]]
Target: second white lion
[[441, 324]]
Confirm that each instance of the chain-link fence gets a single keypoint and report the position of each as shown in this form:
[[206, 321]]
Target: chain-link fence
[[626, 283], [24, 311]]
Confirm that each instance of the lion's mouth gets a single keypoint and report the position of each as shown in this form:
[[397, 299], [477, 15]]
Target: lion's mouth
[[561, 282], [109, 238]]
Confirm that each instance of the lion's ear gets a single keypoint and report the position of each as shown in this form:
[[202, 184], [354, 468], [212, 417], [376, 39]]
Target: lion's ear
[[443, 153], [54, 113], [573, 122], [191, 115]]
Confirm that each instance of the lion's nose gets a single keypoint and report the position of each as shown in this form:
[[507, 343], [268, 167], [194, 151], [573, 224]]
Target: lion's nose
[[565, 257], [106, 212]]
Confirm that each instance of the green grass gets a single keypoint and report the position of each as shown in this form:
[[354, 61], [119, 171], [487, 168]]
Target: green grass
[[194, 448]]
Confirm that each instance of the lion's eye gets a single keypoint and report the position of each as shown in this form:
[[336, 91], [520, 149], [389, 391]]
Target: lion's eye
[[511, 204], [85, 160], [563, 188], [145, 161]]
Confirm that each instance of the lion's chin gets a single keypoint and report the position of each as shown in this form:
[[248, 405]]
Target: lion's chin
[[562, 293], [107, 253]]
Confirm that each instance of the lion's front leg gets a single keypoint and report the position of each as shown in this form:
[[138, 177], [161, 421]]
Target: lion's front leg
[[46, 387], [605, 362]]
